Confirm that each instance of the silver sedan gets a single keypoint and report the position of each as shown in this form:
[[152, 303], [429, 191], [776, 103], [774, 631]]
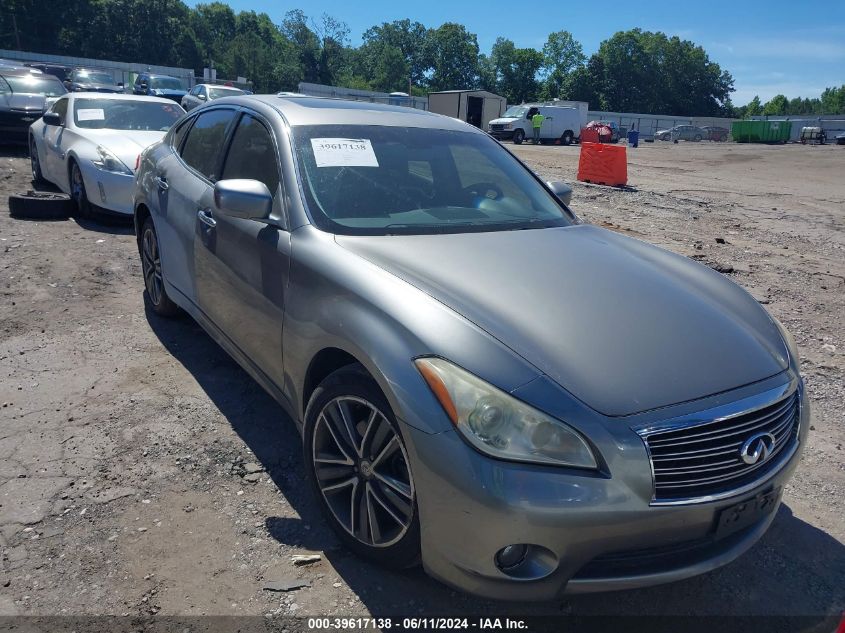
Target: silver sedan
[[88, 144], [484, 382]]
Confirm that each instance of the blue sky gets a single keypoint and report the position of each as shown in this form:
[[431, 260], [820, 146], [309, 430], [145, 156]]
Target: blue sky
[[793, 48]]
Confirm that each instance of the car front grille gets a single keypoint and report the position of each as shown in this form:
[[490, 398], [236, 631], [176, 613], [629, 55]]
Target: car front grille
[[497, 127], [704, 459]]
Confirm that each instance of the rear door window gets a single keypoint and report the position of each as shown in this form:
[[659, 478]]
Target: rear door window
[[204, 144]]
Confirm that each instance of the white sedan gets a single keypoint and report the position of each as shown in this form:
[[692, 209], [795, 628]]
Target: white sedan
[[88, 144]]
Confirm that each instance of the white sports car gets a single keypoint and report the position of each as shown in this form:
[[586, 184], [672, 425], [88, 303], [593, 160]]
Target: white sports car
[[87, 144]]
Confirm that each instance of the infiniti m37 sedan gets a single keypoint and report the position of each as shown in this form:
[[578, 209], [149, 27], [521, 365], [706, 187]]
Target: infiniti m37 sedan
[[523, 402]]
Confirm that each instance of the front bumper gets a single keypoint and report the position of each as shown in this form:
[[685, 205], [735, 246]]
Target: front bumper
[[598, 532], [110, 191], [14, 125], [502, 135]]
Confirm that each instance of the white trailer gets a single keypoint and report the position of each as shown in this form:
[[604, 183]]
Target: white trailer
[[476, 107]]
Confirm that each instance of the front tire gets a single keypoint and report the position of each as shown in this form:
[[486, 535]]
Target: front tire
[[154, 291], [518, 137], [356, 461], [567, 137], [78, 193], [35, 163]]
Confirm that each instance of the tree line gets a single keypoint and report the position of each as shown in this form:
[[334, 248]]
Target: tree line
[[632, 71], [832, 101]]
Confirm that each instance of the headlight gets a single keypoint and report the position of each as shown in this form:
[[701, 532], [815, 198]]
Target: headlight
[[110, 162], [499, 424], [508, 126], [790, 342]]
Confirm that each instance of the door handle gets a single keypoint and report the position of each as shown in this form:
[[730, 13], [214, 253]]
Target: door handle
[[204, 216], [161, 182]]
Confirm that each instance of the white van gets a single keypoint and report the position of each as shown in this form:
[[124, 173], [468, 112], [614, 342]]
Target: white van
[[560, 123]]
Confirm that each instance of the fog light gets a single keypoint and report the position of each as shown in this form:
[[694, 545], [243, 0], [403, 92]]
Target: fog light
[[102, 192], [511, 556]]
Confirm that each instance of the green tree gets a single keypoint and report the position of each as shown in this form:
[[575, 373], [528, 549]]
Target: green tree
[[753, 108], [454, 54], [778, 104], [641, 71], [516, 70], [833, 101], [562, 54], [409, 38]]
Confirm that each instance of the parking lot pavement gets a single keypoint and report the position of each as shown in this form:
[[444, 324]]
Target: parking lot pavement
[[141, 471]]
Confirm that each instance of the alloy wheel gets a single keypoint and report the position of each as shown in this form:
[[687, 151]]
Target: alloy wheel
[[151, 264], [33, 161], [362, 471]]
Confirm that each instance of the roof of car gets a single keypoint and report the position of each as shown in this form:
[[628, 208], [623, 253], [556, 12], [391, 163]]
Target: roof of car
[[306, 110], [20, 71], [121, 96]]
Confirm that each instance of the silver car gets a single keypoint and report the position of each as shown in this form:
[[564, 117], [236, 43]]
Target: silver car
[[523, 402], [202, 93], [681, 133]]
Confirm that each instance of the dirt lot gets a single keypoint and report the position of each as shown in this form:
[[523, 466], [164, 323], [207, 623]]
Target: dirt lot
[[143, 472]]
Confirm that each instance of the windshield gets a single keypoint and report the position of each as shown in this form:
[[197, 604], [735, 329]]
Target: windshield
[[379, 180], [165, 83], [47, 86], [91, 77], [515, 112], [125, 114], [216, 93]]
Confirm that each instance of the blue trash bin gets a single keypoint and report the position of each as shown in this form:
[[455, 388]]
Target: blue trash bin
[[633, 138]]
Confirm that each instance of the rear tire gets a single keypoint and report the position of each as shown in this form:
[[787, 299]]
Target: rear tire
[[567, 137], [154, 291], [518, 137], [697, 138], [357, 465]]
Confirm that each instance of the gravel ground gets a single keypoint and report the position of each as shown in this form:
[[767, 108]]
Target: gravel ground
[[142, 472]]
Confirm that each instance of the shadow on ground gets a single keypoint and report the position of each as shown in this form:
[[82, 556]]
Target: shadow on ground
[[795, 570]]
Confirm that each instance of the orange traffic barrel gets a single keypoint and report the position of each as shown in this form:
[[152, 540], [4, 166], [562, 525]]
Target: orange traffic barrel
[[603, 164]]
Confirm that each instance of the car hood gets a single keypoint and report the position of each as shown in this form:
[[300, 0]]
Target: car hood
[[622, 325], [124, 144], [503, 120], [26, 102]]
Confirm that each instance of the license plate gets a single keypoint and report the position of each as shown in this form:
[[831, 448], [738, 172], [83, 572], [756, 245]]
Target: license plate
[[741, 515]]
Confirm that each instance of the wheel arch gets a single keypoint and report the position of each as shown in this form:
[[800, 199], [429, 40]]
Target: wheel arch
[[324, 363], [142, 212]]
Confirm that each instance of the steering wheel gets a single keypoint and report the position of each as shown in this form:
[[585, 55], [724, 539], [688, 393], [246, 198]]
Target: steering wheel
[[484, 189]]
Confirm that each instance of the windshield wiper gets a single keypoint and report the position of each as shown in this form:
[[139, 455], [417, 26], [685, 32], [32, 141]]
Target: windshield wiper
[[428, 228]]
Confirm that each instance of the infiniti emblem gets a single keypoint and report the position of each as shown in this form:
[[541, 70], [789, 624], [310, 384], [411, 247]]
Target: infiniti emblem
[[757, 448]]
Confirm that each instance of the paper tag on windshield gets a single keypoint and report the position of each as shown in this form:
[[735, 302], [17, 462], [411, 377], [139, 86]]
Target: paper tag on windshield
[[90, 114], [344, 152]]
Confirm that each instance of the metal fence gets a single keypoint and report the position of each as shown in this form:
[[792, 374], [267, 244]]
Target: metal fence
[[649, 124]]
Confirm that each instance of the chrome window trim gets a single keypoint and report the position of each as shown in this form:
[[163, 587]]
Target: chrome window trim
[[718, 414]]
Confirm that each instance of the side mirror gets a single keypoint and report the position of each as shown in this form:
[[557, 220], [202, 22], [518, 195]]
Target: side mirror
[[201, 97], [242, 198], [561, 190], [52, 118]]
